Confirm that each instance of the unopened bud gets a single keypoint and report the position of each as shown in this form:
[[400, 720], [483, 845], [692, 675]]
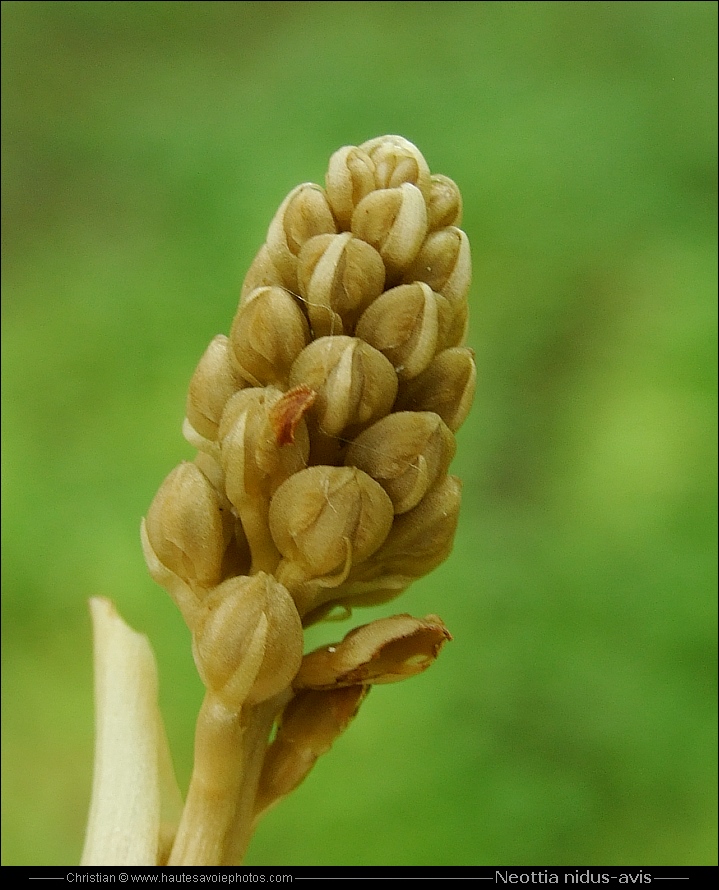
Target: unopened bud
[[262, 273], [418, 542], [338, 277], [350, 176], [445, 263], [444, 205], [211, 467], [446, 387], [324, 518], [255, 463], [406, 452], [394, 222], [248, 640], [268, 333], [187, 527], [256, 460], [383, 651], [396, 161], [355, 384], [403, 324], [422, 538], [212, 384], [304, 213]]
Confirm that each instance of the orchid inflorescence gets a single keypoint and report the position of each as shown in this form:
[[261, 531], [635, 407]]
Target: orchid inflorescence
[[324, 427]]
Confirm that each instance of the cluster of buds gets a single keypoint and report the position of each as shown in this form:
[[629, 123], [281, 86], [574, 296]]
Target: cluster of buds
[[324, 427]]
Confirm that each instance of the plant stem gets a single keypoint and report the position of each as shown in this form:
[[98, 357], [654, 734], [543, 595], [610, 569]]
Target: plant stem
[[217, 824]]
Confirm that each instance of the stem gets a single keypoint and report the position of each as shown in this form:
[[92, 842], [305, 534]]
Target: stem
[[217, 773], [217, 824]]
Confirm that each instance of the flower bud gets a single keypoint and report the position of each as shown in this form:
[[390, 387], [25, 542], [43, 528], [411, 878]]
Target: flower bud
[[456, 334], [211, 467], [212, 384], [338, 276], [248, 640], [262, 273], [255, 463], [268, 333], [451, 322], [394, 222], [444, 262], [309, 725], [403, 324], [445, 387], [355, 384], [350, 176], [303, 214], [422, 538], [444, 205], [406, 452], [383, 651], [418, 542], [187, 527], [323, 518], [396, 161]]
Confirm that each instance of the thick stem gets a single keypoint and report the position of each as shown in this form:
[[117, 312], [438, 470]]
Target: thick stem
[[211, 800], [217, 823]]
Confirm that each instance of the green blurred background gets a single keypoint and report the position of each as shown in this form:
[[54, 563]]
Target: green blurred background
[[146, 146]]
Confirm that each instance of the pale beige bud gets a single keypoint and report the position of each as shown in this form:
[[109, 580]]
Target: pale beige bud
[[338, 277], [254, 461], [445, 387], [451, 322], [350, 176], [247, 640], [457, 333], [309, 725], [212, 384], [396, 161], [355, 384], [383, 651], [422, 539], [212, 469], [188, 528], [264, 440], [394, 222], [406, 452], [418, 542], [403, 324], [324, 518], [444, 205], [268, 333], [237, 558], [445, 263], [304, 213], [262, 273]]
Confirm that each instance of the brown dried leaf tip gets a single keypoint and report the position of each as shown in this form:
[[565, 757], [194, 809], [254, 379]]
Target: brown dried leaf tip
[[286, 413], [325, 424]]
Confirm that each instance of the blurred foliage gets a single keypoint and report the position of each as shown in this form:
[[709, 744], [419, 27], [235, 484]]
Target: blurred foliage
[[146, 147]]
